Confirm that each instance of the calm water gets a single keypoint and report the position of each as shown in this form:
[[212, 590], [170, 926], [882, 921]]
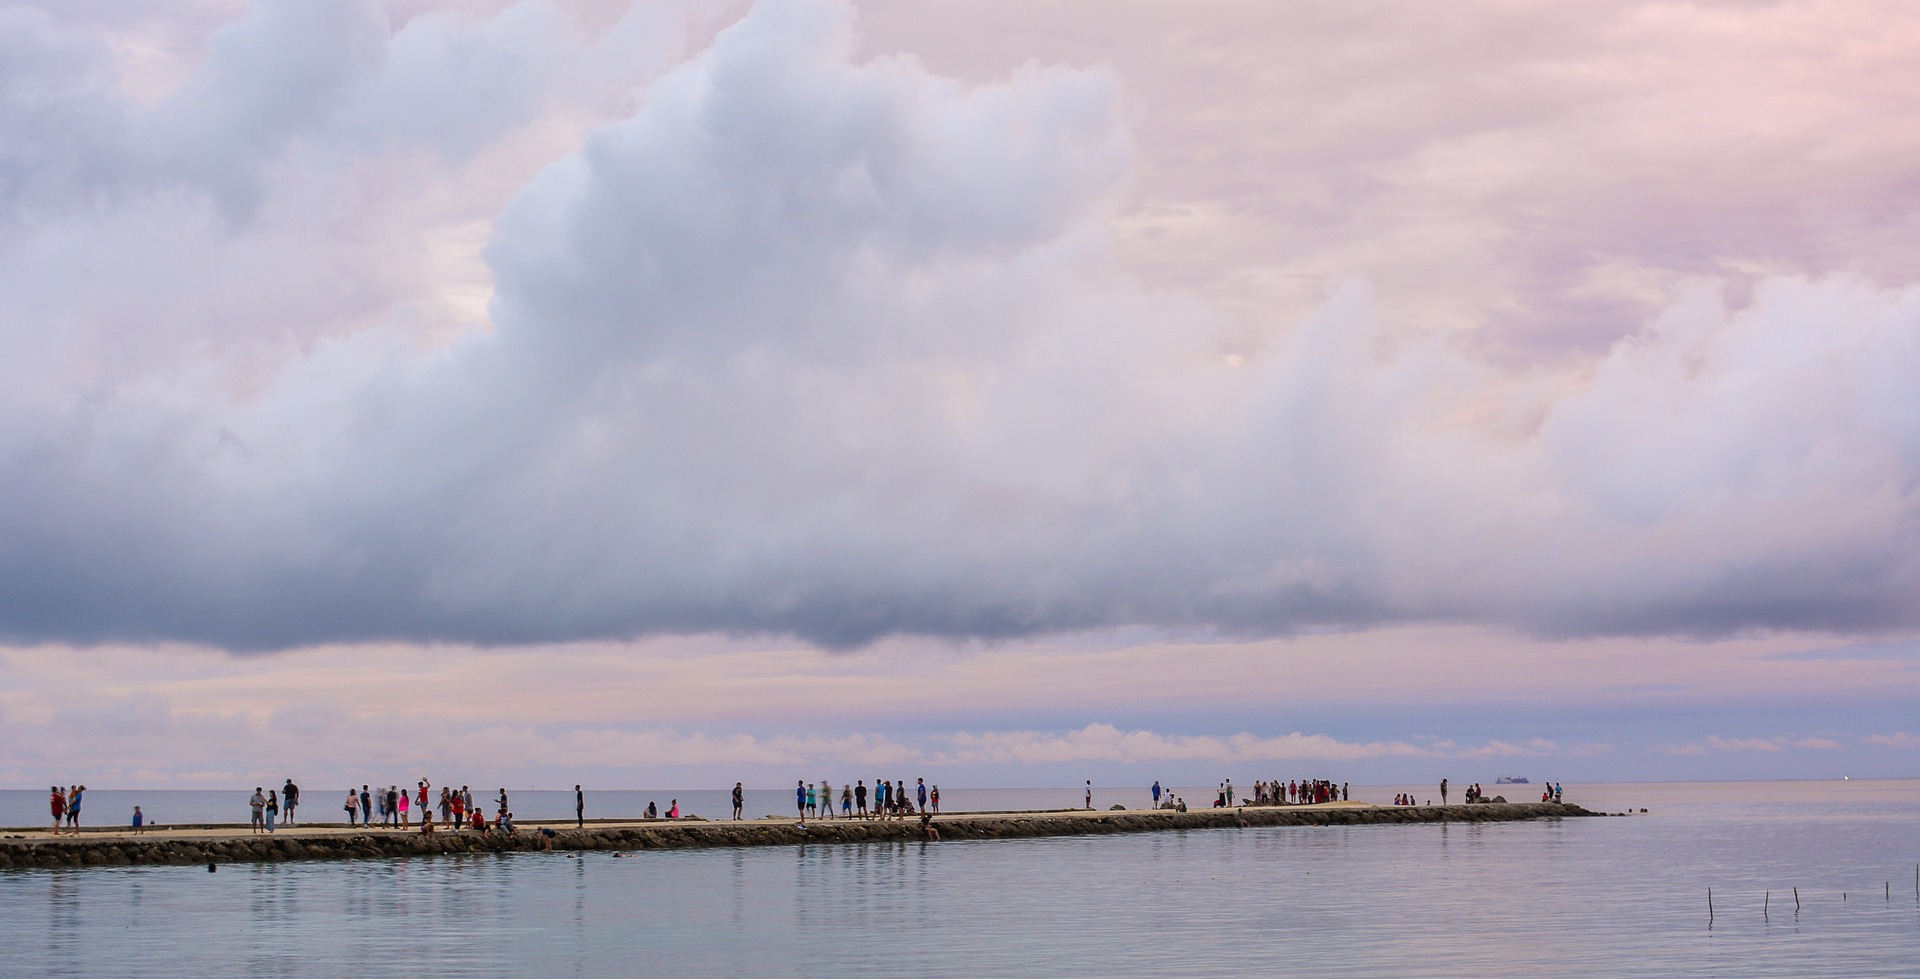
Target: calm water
[[1598, 897]]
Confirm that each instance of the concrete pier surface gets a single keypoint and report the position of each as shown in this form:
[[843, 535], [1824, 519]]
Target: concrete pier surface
[[119, 847]]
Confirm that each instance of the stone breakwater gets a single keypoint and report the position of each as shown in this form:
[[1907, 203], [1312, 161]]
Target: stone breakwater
[[239, 846]]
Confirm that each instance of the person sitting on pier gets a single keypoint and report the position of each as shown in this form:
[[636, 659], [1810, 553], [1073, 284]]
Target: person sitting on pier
[[927, 828], [674, 811], [426, 822], [506, 824]]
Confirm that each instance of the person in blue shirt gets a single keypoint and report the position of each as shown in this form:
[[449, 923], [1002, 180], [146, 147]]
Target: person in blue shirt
[[800, 799], [1156, 793], [922, 790]]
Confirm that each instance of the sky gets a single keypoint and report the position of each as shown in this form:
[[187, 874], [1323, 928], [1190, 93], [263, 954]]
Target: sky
[[673, 392]]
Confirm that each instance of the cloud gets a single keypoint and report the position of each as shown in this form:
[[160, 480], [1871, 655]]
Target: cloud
[[1898, 739], [805, 344], [1769, 745], [1107, 743]]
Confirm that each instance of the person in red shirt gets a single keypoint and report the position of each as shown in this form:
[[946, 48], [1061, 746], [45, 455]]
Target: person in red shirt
[[58, 802], [459, 811]]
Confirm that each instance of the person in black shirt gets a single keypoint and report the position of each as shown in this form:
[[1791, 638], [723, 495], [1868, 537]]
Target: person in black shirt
[[579, 808]]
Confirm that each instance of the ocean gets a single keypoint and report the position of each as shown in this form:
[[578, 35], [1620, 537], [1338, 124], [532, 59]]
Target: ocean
[[1580, 897]]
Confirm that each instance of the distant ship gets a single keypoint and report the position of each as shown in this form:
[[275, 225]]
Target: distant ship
[[1510, 780]]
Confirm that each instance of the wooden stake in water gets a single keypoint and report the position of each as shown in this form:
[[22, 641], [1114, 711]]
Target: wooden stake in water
[[1796, 900], [1709, 907], [1764, 903]]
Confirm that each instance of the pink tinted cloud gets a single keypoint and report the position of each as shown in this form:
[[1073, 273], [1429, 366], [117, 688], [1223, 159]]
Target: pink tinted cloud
[[786, 339]]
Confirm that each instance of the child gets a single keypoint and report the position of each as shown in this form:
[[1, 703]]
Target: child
[[426, 822], [139, 822]]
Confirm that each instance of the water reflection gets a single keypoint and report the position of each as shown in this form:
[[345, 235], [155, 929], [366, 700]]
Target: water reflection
[[1593, 897]]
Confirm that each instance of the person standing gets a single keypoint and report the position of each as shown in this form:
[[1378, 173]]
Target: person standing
[[289, 800], [579, 808], [1089, 793], [920, 790], [936, 800], [800, 799], [73, 809], [1229, 784], [859, 798], [501, 803], [406, 801], [846, 801], [1443, 791], [139, 822], [739, 800], [259, 805], [351, 807], [273, 808], [57, 801], [1156, 793]]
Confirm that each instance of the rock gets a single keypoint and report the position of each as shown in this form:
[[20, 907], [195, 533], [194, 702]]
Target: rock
[[1116, 807]]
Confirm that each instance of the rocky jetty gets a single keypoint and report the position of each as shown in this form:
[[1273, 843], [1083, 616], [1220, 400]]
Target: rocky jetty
[[116, 848]]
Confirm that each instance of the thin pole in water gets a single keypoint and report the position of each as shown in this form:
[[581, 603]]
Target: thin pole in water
[[1796, 900], [1709, 907], [1765, 903]]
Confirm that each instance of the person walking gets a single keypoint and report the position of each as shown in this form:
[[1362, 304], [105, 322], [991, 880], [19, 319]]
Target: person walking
[[366, 807], [352, 806], [579, 808], [739, 800]]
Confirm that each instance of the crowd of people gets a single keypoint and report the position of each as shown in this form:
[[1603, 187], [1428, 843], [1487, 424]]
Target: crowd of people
[[890, 799], [1304, 792], [457, 809]]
